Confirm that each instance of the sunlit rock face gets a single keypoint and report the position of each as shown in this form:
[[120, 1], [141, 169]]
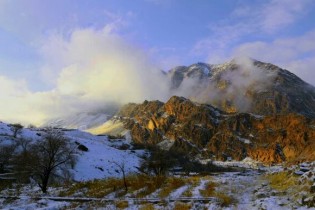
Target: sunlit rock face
[[199, 129], [245, 85]]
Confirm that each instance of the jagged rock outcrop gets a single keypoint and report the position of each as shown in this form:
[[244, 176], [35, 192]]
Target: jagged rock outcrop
[[245, 86], [200, 129]]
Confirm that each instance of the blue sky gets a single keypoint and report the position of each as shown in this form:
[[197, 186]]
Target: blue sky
[[42, 42], [173, 32]]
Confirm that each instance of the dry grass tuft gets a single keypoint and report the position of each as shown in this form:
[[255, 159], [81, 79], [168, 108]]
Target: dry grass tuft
[[121, 204], [172, 184], [188, 192], [148, 206], [225, 200], [209, 190], [150, 185], [100, 188], [282, 181], [182, 206], [193, 181]]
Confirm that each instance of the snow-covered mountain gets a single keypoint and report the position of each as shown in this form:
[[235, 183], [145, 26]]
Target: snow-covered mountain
[[247, 86], [244, 86]]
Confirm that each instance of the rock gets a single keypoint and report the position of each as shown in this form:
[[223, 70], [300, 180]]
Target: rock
[[83, 148], [201, 129], [264, 184], [304, 169], [305, 165], [300, 173], [278, 193], [261, 195]]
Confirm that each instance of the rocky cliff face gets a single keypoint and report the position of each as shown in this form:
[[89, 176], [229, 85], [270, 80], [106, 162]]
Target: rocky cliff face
[[245, 86], [200, 129]]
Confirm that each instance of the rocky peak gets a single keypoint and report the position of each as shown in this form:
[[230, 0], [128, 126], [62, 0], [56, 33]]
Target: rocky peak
[[200, 129], [245, 86]]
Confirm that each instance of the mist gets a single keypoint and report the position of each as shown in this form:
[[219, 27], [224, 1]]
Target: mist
[[88, 70], [92, 70], [229, 85]]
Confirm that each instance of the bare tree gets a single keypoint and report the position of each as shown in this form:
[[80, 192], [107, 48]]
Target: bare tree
[[24, 143], [46, 157], [6, 153], [122, 168], [157, 163], [16, 129]]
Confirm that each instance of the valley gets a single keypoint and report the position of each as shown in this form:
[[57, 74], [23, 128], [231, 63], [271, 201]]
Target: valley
[[192, 152]]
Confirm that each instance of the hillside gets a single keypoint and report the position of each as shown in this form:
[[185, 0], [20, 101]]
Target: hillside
[[203, 130], [96, 163]]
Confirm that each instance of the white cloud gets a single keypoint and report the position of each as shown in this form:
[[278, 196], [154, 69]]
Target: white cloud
[[216, 47], [16, 103], [92, 68], [296, 54], [247, 21], [246, 78], [281, 13]]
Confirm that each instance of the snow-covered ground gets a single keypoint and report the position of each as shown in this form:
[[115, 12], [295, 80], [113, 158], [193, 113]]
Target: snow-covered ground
[[101, 159], [249, 189]]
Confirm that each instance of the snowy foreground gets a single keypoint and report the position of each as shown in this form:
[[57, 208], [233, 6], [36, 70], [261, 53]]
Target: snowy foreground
[[250, 188]]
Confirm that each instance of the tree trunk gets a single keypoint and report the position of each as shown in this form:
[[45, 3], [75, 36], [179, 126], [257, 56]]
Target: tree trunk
[[44, 184], [125, 182]]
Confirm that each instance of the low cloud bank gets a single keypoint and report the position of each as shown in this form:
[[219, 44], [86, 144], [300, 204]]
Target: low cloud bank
[[89, 69], [233, 85], [93, 69]]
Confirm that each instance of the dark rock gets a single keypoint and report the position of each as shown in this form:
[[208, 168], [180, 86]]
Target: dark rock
[[261, 195], [299, 173], [124, 147], [83, 148], [303, 169]]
